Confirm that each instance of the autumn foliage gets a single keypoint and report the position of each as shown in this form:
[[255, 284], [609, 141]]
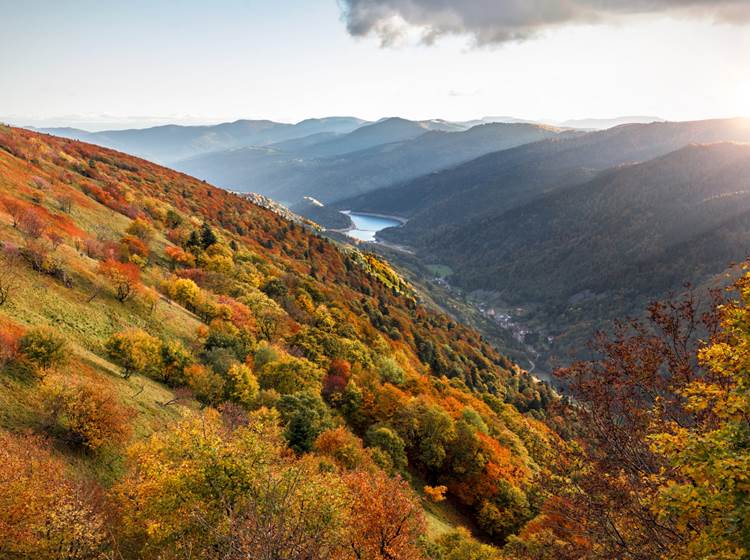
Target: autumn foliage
[[123, 277], [336, 388]]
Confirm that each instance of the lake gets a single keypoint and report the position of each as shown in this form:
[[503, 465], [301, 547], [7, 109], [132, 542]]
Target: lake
[[367, 225]]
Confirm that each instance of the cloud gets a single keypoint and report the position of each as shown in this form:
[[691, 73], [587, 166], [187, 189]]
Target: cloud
[[500, 21], [462, 93]]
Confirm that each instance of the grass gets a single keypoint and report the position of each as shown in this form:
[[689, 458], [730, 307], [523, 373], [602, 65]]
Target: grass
[[442, 517], [86, 323]]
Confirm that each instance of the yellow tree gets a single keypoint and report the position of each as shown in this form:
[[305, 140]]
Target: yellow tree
[[708, 491], [203, 490]]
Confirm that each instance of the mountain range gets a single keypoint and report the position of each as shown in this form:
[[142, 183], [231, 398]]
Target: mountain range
[[161, 335], [289, 176], [169, 143]]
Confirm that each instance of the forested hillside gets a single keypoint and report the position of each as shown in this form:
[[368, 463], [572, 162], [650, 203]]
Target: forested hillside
[[184, 372], [503, 180], [573, 232], [604, 249]]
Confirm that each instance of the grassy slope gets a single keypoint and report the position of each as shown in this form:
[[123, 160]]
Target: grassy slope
[[42, 300]]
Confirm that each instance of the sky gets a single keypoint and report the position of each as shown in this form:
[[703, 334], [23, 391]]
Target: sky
[[109, 64]]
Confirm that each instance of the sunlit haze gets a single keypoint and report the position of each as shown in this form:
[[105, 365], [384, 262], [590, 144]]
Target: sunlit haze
[[103, 64]]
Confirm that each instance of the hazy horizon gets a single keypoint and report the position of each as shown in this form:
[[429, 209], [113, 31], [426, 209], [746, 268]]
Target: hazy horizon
[[94, 124]]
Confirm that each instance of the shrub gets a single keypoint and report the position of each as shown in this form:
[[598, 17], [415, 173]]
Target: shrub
[[243, 386], [290, 375], [44, 513], [265, 354], [184, 291], [86, 413], [10, 345], [178, 257], [124, 278], [8, 273], [344, 448], [392, 456], [136, 351], [175, 358], [133, 249], [459, 545], [141, 229], [206, 384], [306, 417], [390, 371], [43, 347]]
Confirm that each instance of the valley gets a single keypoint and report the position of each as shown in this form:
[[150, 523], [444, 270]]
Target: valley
[[505, 207], [375, 280]]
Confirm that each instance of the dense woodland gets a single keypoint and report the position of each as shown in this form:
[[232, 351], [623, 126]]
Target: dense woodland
[[187, 375]]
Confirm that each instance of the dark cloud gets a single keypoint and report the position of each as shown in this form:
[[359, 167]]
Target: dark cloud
[[498, 21]]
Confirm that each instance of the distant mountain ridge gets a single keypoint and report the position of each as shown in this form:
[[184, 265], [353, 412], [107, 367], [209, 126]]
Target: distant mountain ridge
[[604, 123], [585, 226], [169, 143], [385, 131], [580, 256], [291, 175], [496, 182]]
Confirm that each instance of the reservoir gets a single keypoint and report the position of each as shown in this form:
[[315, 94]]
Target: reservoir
[[367, 225]]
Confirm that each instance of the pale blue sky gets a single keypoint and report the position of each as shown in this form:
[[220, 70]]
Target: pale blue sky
[[139, 61]]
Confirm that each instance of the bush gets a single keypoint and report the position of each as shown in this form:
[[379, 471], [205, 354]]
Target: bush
[[10, 345], [44, 348], [86, 413], [141, 229], [290, 375], [124, 278], [137, 352], [344, 448], [206, 384], [306, 417], [242, 385], [44, 513], [390, 371], [175, 358], [392, 456], [184, 291]]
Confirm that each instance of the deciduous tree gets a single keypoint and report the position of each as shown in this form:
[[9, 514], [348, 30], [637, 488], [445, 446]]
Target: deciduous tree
[[386, 521], [123, 277], [85, 412]]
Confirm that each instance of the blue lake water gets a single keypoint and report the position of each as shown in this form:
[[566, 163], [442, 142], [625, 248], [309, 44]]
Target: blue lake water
[[367, 225]]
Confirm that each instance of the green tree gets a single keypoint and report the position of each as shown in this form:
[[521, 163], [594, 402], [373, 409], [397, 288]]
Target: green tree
[[390, 443], [430, 430], [136, 351], [200, 490], [207, 236], [242, 385], [306, 417], [290, 375], [43, 347]]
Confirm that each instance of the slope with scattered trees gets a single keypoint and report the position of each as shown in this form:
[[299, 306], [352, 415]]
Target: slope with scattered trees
[[195, 375]]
